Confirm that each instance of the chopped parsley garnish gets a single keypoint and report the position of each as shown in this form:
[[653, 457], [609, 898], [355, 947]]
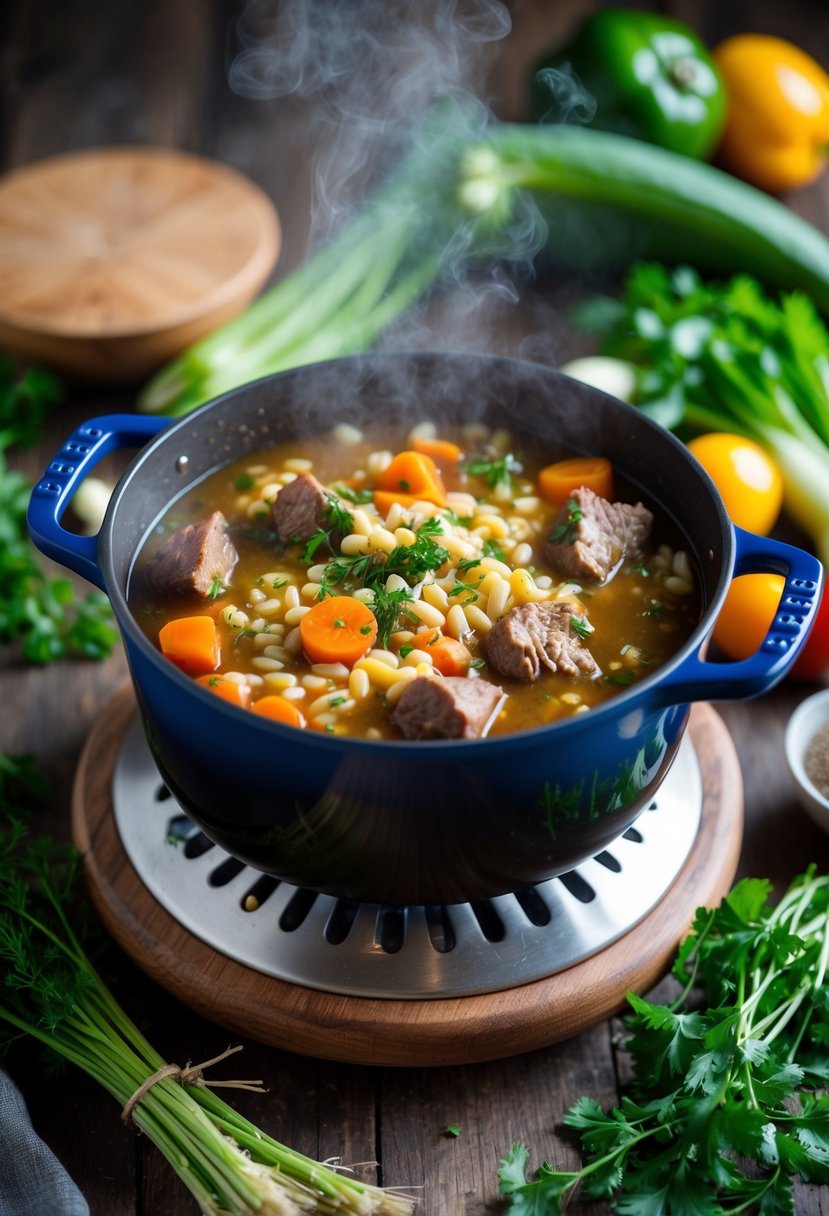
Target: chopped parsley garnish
[[619, 677], [366, 628], [405, 651], [568, 530], [244, 633], [335, 701], [339, 517], [213, 681], [217, 588], [358, 497], [339, 623], [478, 663], [641, 570], [244, 482], [279, 582], [388, 608], [580, 626], [494, 550], [460, 521], [468, 563], [656, 609], [452, 1129], [404, 485], [320, 537], [498, 472]]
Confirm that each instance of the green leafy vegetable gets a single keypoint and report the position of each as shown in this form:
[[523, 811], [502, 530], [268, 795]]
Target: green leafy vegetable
[[580, 626], [728, 357], [43, 614], [495, 471], [568, 530], [725, 1106], [53, 993]]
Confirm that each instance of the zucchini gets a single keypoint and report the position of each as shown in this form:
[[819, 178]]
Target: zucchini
[[609, 200]]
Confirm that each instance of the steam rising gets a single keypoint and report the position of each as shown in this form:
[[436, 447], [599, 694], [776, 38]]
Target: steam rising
[[357, 77]]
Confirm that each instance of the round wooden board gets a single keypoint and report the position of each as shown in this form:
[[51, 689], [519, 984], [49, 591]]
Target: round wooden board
[[113, 260], [423, 1032]]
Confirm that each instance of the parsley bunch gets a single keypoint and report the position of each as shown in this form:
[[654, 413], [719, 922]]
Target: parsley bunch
[[728, 356], [725, 1106], [43, 613]]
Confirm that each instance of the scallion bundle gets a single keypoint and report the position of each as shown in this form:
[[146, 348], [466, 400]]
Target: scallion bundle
[[52, 992]]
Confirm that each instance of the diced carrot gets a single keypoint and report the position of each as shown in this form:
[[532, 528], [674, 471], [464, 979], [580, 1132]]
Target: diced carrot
[[192, 643], [414, 475], [338, 629], [557, 481], [279, 710], [384, 500], [449, 656], [228, 690], [442, 451]]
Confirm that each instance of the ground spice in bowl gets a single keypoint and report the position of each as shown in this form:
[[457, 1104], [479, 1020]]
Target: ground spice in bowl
[[816, 760]]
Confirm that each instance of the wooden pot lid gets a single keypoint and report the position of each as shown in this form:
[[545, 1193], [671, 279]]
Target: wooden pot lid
[[114, 260], [449, 1030]]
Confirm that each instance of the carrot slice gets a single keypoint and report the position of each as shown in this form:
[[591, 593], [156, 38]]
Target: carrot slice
[[414, 475], [338, 630], [228, 690], [279, 710], [557, 481], [442, 451], [449, 656], [192, 643]]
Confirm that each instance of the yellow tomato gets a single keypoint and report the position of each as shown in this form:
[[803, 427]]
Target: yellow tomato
[[747, 613], [777, 125], [746, 477]]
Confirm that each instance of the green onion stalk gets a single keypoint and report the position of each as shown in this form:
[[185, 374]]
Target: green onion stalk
[[53, 993], [406, 236], [465, 197]]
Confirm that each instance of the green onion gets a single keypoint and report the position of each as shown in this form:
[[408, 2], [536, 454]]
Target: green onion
[[461, 201], [53, 993]]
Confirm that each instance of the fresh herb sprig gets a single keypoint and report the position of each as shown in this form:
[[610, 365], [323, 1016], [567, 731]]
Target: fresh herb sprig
[[568, 530], [44, 614], [496, 471], [53, 993], [725, 1106]]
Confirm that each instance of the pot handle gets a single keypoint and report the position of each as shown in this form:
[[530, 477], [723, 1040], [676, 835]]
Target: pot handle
[[695, 679], [51, 495]]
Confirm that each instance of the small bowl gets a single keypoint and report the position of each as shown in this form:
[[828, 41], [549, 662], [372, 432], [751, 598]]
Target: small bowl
[[807, 719]]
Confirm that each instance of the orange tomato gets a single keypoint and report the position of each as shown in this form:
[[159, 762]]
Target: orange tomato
[[747, 478], [777, 124], [747, 614]]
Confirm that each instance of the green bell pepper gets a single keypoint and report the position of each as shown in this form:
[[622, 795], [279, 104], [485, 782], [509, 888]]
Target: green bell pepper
[[649, 77]]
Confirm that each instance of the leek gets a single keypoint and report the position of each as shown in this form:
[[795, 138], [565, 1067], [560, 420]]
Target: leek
[[465, 198]]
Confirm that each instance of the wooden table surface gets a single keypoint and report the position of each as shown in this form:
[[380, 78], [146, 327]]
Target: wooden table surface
[[81, 74]]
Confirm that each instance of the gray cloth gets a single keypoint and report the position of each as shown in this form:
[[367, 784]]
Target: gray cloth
[[32, 1180]]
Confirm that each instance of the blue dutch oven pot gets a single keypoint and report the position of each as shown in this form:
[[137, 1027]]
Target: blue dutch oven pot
[[400, 821]]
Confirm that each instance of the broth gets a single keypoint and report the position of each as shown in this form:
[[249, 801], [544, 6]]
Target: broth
[[493, 528]]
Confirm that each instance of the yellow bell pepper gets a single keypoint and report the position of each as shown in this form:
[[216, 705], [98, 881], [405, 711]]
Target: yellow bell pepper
[[777, 125]]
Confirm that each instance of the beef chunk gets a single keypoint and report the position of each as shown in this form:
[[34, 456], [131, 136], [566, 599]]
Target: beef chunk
[[591, 536], [532, 636], [455, 707], [299, 508], [192, 558]]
